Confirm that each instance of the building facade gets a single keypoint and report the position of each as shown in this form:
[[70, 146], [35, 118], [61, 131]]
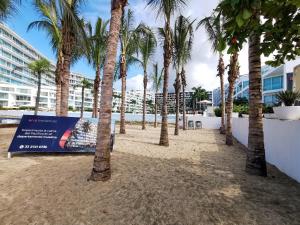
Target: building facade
[[274, 80], [133, 101], [18, 85], [171, 103]]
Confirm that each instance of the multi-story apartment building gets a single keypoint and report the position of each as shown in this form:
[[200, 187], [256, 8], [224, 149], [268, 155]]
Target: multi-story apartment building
[[18, 84], [171, 104], [273, 80], [133, 101]]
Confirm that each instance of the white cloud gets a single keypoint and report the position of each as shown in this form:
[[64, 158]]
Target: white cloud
[[132, 83]]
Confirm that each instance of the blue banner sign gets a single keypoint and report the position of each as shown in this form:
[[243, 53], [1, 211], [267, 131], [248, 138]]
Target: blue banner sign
[[55, 134]]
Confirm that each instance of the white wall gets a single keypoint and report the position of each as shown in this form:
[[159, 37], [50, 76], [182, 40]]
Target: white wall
[[282, 143], [207, 122]]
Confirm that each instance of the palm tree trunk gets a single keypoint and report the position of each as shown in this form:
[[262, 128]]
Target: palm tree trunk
[[68, 43], [232, 76], [101, 167], [96, 93], [144, 100], [155, 111], [177, 98], [164, 139], [183, 79], [183, 109], [221, 70], [256, 160], [123, 91], [82, 102], [37, 100], [58, 75]]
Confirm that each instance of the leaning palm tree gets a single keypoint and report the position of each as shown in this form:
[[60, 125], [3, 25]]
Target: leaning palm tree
[[7, 7], [38, 68], [84, 84], [216, 33], [157, 79], [101, 168], [98, 41], [147, 46], [129, 46], [50, 22], [182, 45], [166, 8]]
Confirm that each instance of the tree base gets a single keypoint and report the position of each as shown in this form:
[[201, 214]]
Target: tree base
[[257, 167], [229, 140], [164, 143], [222, 130], [122, 132], [100, 176]]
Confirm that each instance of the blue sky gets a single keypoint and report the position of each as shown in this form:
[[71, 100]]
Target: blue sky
[[39, 40], [200, 70]]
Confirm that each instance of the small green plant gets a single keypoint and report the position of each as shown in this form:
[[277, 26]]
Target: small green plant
[[288, 97], [218, 112], [267, 109]]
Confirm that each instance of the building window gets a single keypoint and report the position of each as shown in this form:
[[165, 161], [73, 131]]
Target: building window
[[3, 95], [23, 98], [270, 99], [273, 83]]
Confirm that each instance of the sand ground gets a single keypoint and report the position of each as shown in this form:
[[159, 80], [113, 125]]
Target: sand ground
[[197, 180]]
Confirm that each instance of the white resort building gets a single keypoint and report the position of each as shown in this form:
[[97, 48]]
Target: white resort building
[[18, 86], [274, 80]]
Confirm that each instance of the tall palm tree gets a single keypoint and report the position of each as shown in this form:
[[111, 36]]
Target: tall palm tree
[[166, 8], [101, 168], [50, 22], [256, 159], [7, 7], [84, 84], [216, 33], [98, 41], [182, 45], [157, 78], [199, 94], [38, 68], [129, 46], [147, 46], [72, 34], [233, 73]]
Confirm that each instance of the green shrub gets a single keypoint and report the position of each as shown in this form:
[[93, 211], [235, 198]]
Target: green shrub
[[241, 109], [288, 97], [267, 109], [218, 112]]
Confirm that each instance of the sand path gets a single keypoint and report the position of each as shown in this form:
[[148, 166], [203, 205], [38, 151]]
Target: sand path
[[197, 180]]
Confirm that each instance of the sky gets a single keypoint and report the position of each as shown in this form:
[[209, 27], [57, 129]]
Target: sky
[[200, 71]]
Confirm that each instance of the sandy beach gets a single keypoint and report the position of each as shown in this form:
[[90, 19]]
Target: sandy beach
[[197, 180]]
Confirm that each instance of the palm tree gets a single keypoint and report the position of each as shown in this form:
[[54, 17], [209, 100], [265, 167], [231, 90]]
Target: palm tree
[[157, 79], [182, 45], [147, 45], [216, 33], [97, 49], [233, 73], [73, 35], [199, 94], [129, 46], [101, 168], [50, 22], [84, 84], [166, 8], [7, 7], [39, 67]]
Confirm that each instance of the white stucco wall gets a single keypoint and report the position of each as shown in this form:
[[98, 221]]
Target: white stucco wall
[[282, 143], [207, 122]]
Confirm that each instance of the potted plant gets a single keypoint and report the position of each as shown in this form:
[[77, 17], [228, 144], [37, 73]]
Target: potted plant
[[288, 111]]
